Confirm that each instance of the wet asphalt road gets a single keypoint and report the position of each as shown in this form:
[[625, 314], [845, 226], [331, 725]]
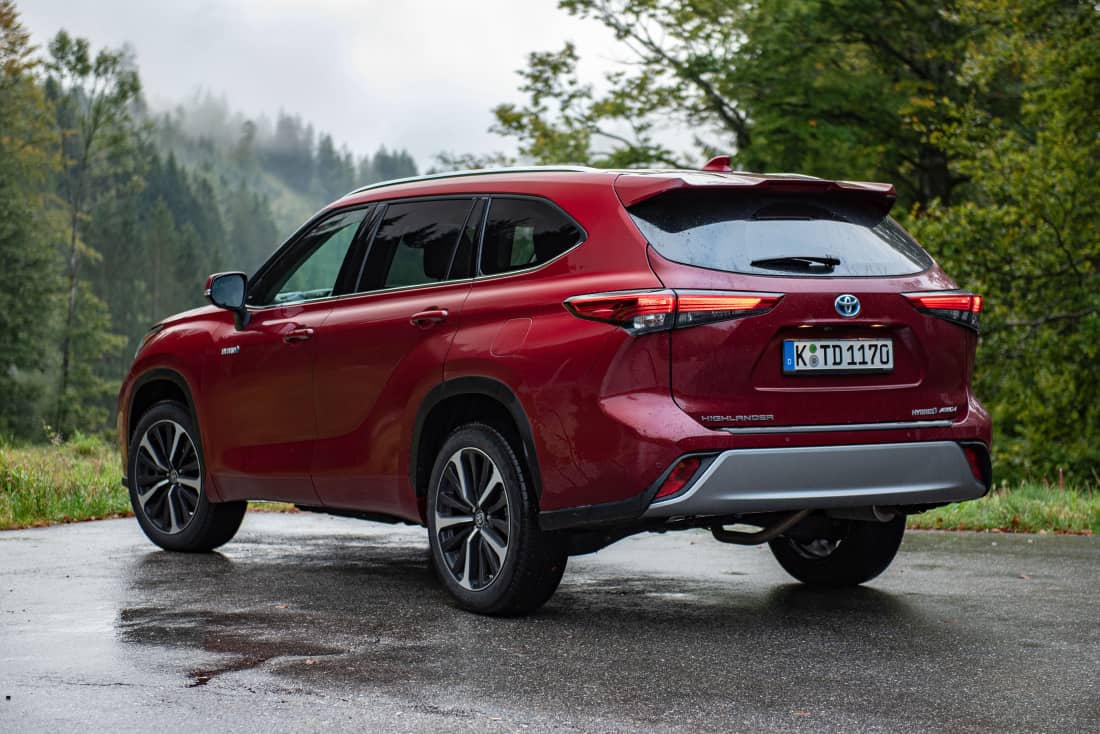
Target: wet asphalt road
[[309, 623]]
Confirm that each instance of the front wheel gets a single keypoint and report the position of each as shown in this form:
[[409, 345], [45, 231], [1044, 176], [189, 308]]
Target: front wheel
[[858, 553], [487, 547], [167, 478]]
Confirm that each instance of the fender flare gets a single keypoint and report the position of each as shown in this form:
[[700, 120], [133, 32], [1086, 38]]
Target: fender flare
[[163, 374], [489, 387]]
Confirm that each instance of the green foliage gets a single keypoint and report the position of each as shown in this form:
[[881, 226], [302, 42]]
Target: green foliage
[[30, 266], [566, 122], [111, 220], [61, 482], [93, 96], [1027, 232]]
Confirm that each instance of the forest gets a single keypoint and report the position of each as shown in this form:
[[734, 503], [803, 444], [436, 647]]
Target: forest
[[112, 215], [984, 113]]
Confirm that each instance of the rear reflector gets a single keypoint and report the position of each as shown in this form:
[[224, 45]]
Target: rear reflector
[[977, 458], [641, 312], [962, 308], [680, 475]]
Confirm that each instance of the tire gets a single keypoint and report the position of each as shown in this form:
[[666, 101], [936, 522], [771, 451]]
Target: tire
[[862, 551], [486, 544], [167, 481]]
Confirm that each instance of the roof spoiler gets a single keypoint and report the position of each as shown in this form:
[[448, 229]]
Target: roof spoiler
[[634, 188]]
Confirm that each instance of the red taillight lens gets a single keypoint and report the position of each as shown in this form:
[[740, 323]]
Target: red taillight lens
[[962, 308], [696, 307], [640, 312], [680, 475]]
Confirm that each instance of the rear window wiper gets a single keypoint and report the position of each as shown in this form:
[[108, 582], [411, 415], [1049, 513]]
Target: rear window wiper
[[798, 264]]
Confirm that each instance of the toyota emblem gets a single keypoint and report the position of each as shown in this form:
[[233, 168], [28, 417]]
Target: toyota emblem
[[847, 305]]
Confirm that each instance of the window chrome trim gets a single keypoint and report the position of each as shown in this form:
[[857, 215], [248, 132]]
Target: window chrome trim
[[361, 294], [838, 427]]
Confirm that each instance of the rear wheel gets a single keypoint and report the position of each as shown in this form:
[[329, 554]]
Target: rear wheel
[[487, 547], [167, 479], [858, 553]]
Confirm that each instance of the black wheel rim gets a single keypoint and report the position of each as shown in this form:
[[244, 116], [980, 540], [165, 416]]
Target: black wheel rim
[[471, 514], [167, 477], [815, 549]]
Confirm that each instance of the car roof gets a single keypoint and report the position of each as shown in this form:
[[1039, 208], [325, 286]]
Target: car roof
[[631, 184]]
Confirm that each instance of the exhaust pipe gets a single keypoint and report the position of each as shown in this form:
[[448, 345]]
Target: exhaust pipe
[[763, 536]]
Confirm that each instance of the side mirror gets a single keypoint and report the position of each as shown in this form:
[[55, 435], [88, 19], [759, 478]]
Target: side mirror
[[227, 290]]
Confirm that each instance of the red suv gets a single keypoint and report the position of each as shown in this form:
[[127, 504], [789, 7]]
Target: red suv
[[536, 363]]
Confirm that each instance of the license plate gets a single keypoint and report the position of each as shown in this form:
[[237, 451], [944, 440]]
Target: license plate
[[837, 355]]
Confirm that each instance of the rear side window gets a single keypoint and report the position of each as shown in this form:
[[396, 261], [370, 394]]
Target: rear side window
[[415, 243], [523, 233], [777, 235]]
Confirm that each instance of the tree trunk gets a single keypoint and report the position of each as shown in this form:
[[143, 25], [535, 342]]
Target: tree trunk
[[66, 336]]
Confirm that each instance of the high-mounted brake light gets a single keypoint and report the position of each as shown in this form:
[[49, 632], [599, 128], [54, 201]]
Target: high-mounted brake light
[[962, 308], [642, 312]]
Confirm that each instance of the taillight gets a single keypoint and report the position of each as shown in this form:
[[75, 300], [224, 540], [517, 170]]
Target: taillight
[[680, 475], [962, 308], [642, 312]]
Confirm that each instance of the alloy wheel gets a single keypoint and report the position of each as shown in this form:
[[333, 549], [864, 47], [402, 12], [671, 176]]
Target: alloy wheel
[[471, 514], [168, 476]]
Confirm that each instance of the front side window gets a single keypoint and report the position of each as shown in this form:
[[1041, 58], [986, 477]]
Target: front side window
[[415, 243], [311, 268], [523, 233]]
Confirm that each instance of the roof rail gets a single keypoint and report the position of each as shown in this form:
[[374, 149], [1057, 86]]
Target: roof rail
[[474, 172]]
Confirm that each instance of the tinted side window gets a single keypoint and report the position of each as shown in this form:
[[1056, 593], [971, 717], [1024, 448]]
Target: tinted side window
[[415, 243], [310, 269], [522, 233], [463, 264]]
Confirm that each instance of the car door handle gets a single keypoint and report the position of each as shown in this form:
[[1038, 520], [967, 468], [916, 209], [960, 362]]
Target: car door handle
[[428, 319], [298, 335]]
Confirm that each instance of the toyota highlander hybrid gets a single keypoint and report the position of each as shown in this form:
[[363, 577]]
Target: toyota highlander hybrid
[[536, 363]]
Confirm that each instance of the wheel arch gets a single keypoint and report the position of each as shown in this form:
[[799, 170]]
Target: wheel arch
[[152, 387], [463, 400]]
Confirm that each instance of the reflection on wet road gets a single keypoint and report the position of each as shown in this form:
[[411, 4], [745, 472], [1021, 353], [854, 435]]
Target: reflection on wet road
[[309, 622]]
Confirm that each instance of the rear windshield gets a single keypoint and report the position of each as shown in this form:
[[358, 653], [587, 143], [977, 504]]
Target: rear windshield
[[777, 235]]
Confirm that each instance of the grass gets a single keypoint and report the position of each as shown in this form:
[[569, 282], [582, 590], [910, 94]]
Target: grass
[[68, 482], [79, 480], [43, 485], [1026, 508]]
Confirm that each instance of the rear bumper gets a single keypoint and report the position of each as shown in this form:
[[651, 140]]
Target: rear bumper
[[742, 481]]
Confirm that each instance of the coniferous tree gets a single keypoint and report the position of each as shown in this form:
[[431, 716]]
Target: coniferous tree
[[28, 299], [94, 97]]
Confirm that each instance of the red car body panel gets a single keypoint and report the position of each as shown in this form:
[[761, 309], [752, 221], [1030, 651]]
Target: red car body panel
[[330, 421], [377, 367]]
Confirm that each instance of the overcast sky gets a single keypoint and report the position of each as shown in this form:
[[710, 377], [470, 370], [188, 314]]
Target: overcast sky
[[415, 74]]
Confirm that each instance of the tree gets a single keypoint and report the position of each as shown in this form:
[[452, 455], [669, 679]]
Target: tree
[[1026, 233], [94, 96], [842, 88], [28, 298]]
